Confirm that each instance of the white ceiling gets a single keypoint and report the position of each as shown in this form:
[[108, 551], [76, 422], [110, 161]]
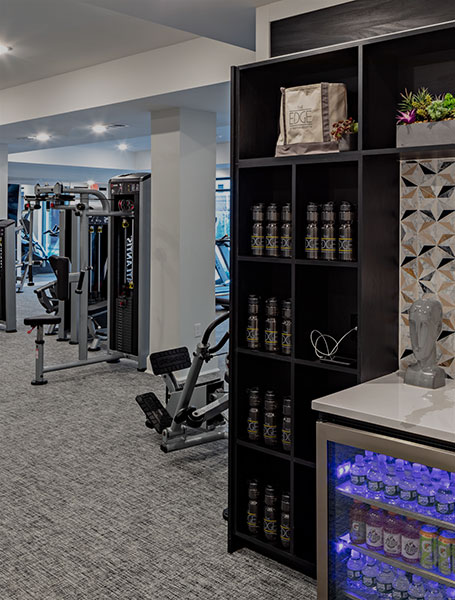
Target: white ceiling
[[51, 37]]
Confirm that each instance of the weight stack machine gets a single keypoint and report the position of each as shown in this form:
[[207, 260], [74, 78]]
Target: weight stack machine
[[129, 266], [8, 274]]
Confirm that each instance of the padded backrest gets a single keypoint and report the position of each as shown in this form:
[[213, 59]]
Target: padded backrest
[[61, 267]]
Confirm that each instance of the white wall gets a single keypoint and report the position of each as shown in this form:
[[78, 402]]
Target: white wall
[[3, 181], [281, 10]]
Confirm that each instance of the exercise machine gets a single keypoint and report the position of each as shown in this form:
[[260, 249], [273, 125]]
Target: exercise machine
[[128, 303], [193, 413], [7, 275]]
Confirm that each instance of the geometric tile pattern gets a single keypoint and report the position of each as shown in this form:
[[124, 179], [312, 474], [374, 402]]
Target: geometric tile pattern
[[427, 250]]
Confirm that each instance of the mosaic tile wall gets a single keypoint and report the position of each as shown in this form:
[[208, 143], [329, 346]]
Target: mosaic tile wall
[[428, 249]]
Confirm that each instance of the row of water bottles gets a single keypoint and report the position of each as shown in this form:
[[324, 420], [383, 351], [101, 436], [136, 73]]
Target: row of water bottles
[[397, 481], [373, 579]]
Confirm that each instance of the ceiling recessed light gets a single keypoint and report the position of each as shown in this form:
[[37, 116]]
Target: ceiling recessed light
[[99, 128], [122, 146], [5, 49], [42, 137]]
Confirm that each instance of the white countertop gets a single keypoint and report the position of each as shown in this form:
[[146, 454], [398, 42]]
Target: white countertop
[[389, 402]]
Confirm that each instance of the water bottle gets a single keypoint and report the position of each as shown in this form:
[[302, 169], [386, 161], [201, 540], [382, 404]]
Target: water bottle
[[358, 475], [271, 231], [416, 589], [253, 424], [312, 232], [354, 570], [253, 507], [444, 499], [368, 458], [384, 582], [270, 514], [286, 232], [452, 483], [391, 488], [375, 485], [450, 593], [408, 489], [400, 586], [436, 477], [257, 234], [399, 468], [328, 237], [370, 573], [433, 591], [252, 328], [425, 496]]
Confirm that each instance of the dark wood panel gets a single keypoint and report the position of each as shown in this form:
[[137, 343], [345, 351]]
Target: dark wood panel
[[355, 20]]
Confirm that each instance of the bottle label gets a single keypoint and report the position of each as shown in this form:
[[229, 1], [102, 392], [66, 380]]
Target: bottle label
[[257, 242], [328, 245], [345, 244], [358, 532], [374, 536], [252, 520], [271, 242], [375, 486], [286, 242], [400, 595], [369, 582], [311, 243], [445, 508], [253, 427], [286, 437], [428, 548], [271, 337], [409, 548], [252, 334], [444, 557], [285, 533], [270, 526], [391, 491], [383, 588], [392, 543], [423, 500], [286, 340], [354, 575], [408, 495], [270, 432], [358, 480]]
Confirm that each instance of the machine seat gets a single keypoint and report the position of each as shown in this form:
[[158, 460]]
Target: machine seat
[[42, 320]]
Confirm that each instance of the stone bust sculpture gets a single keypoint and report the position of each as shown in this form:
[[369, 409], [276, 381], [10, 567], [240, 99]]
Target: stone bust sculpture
[[425, 323]]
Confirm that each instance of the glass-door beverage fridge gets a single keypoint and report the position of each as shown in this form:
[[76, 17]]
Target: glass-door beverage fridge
[[386, 520]]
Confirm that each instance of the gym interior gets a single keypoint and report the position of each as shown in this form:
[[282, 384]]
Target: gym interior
[[227, 300]]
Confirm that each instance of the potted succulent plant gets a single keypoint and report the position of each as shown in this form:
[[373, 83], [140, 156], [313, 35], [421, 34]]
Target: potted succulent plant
[[344, 133], [424, 119]]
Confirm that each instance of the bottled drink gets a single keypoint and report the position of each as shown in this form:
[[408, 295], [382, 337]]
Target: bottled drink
[[425, 495], [257, 234], [286, 327], [452, 483], [445, 501], [358, 475], [392, 535], [312, 231], [375, 485], [399, 468], [446, 544], [408, 488], [357, 517], [436, 477], [433, 591], [286, 431], [270, 429], [368, 458], [271, 325], [375, 529], [271, 231], [285, 525], [286, 231], [391, 488], [328, 237], [428, 546], [384, 582], [252, 329], [370, 574], [410, 541], [253, 507], [400, 586], [346, 232], [450, 593], [254, 402], [354, 570], [382, 463], [270, 514], [416, 589]]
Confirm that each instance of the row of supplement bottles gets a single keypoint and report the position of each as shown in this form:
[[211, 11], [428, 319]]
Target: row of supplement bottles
[[326, 240], [271, 236], [268, 517], [277, 332], [266, 423], [402, 538], [396, 481], [370, 578]]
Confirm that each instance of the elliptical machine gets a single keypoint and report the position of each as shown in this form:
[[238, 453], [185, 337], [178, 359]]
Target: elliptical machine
[[193, 413]]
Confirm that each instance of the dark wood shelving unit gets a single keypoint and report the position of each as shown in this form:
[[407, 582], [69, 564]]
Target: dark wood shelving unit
[[328, 296]]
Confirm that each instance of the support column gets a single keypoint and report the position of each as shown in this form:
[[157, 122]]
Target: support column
[[183, 150], [3, 181]]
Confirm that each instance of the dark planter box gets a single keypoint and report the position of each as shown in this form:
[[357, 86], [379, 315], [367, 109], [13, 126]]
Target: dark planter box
[[426, 134]]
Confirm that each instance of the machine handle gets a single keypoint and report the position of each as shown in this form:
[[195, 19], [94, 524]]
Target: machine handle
[[213, 325], [220, 344], [80, 283]]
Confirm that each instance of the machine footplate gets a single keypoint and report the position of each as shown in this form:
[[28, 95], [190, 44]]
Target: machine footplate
[[168, 361], [155, 412]]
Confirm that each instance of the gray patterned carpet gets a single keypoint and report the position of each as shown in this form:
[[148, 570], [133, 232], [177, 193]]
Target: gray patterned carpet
[[90, 508]]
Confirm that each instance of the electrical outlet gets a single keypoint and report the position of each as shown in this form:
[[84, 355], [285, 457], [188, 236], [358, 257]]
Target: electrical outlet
[[197, 330]]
